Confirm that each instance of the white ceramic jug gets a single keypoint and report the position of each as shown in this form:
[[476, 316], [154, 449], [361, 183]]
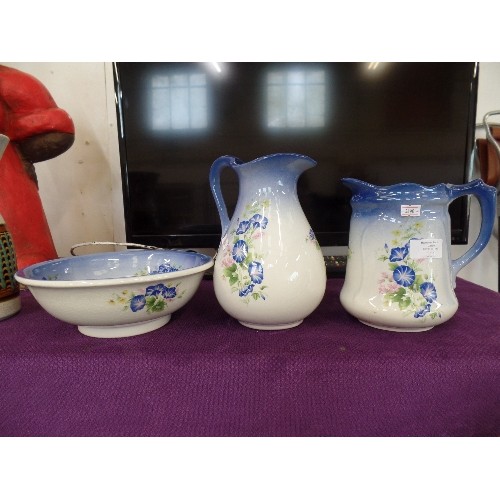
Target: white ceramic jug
[[400, 275], [269, 271]]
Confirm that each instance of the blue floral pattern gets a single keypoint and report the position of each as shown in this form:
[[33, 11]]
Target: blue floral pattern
[[398, 253], [404, 275], [256, 272], [162, 268], [152, 299], [241, 263], [428, 291], [407, 282], [240, 251]]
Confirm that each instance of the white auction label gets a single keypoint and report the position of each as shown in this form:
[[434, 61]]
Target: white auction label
[[426, 248], [410, 210]]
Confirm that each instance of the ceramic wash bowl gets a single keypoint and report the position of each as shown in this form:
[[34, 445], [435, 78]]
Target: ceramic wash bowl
[[117, 294]]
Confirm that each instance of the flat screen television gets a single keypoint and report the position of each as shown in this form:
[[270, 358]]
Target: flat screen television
[[384, 123]]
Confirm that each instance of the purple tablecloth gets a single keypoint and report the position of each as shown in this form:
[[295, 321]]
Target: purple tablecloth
[[203, 374]]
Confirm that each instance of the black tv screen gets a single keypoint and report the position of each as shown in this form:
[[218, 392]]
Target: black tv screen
[[383, 123]]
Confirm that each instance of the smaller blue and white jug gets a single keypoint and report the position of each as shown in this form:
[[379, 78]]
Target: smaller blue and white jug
[[269, 273], [400, 275]]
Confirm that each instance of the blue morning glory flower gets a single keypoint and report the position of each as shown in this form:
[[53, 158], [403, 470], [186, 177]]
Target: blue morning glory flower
[[137, 303], [256, 272], [422, 312], [243, 227], [428, 290], [404, 275], [156, 290], [258, 220], [240, 251], [160, 289], [170, 292], [398, 253], [167, 268], [245, 291]]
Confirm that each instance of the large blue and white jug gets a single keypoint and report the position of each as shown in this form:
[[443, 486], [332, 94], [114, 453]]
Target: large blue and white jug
[[269, 271], [400, 275]]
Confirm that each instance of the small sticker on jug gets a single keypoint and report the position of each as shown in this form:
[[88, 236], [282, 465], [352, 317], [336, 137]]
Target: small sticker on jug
[[427, 248], [410, 210]]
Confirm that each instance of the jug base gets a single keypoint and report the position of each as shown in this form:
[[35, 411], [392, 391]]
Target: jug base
[[281, 326], [397, 329]]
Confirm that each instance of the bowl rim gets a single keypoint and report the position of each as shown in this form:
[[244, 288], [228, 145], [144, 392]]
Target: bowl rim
[[130, 280]]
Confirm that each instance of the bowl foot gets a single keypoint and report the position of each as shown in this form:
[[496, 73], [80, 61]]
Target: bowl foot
[[396, 329], [281, 326], [120, 331]]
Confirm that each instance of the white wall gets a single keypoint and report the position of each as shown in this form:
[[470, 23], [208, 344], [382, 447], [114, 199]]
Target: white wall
[[81, 189]]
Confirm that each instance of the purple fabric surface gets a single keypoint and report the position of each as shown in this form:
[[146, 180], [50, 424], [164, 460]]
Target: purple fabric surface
[[203, 374]]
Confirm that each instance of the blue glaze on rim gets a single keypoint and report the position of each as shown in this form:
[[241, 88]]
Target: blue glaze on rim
[[128, 265], [406, 191]]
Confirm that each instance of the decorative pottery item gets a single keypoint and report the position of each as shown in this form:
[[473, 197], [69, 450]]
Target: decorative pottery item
[[39, 130], [269, 272], [10, 301], [117, 294], [400, 275]]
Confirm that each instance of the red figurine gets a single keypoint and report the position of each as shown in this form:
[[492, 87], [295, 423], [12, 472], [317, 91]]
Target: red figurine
[[38, 130]]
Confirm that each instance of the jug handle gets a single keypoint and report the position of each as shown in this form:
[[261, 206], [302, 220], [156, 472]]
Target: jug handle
[[486, 196], [214, 179]]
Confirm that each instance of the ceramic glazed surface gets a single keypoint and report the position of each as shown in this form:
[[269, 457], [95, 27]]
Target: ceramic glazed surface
[[269, 271], [400, 275], [117, 294]]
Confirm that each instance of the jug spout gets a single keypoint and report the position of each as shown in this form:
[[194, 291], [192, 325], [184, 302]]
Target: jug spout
[[358, 187], [299, 163], [291, 163]]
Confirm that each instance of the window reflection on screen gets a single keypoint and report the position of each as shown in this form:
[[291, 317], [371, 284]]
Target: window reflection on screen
[[411, 123], [179, 102], [295, 98]]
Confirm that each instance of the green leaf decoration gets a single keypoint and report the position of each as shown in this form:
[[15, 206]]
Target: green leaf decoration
[[404, 302], [158, 306]]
